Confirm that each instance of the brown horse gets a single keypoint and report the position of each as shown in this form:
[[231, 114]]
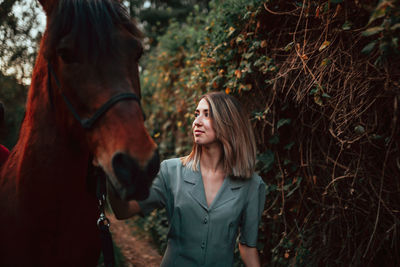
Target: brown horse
[[87, 67]]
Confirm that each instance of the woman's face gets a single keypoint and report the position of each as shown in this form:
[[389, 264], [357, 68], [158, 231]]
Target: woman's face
[[203, 131]]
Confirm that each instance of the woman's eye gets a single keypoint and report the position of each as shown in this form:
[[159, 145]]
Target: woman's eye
[[196, 115], [206, 114]]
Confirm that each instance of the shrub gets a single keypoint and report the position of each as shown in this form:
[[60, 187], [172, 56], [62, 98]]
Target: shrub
[[320, 80]]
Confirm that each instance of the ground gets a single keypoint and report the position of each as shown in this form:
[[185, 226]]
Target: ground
[[137, 250]]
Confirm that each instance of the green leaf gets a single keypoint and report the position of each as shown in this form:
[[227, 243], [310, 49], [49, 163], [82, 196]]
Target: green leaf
[[326, 7], [270, 188], [395, 27], [267, 159], [286, 162], [359, 129], [379, 61], [286, 187], [324, 45], [368, 48], [295, 188], [289, 146], [247, 15], [372, 31], [347, 25], [259, 61], [395, 42], [239, 39], [326, 95], [288, 47], [314, 91], [231, 31], [376, 137], [378, 13], [384, 47], [282, 122], [248, 55], [274, 140], [257, 115], [325, 62], [318, 100], [269, 82], [254, 45]]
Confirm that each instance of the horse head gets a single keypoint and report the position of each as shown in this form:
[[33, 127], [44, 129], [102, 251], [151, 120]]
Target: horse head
[[92, 49]]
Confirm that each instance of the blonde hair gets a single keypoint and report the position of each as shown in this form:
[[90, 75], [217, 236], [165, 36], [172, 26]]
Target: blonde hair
[[234, 132]]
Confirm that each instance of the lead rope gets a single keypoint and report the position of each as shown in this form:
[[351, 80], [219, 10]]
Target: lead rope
[[104, 223]]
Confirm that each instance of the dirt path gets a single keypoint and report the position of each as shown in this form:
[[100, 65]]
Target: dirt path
[[137, 251]]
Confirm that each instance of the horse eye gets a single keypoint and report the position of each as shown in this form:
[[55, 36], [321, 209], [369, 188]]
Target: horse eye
[[66, 55]]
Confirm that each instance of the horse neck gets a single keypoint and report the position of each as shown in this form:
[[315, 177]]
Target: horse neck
[[47, 148]]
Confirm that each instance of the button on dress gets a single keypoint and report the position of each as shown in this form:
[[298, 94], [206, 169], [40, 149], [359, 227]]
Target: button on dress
[[202, 235]]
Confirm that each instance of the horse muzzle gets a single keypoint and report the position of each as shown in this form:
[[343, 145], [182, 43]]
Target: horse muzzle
[[134, 181]]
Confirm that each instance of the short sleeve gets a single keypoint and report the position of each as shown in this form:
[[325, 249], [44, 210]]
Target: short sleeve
[[158, 193], [251, 215]]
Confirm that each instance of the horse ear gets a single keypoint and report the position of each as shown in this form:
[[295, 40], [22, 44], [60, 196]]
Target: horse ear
[[48, 5]]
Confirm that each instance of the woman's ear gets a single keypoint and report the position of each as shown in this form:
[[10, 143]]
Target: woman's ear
[[48, 5]]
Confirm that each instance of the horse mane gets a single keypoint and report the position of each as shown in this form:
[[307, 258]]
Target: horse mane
[[89, 24]]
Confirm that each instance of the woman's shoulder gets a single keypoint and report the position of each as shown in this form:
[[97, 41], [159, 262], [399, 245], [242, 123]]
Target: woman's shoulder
[[256, 185], [255, 181], [170, 163], [171, 166], [255, 178], [172, 171]]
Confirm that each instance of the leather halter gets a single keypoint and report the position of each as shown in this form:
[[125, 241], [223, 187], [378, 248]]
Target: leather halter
[[87, 123]]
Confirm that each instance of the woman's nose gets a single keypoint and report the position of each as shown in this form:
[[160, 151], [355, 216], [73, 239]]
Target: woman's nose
[[197, 120]]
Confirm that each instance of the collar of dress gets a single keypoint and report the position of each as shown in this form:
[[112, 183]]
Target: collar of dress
[[227, 192]]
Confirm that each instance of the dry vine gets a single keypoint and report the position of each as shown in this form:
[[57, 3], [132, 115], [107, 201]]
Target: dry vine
[[344, 113]]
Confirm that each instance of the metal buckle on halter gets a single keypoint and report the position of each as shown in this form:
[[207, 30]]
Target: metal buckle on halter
[[103, 221], [86, 123]]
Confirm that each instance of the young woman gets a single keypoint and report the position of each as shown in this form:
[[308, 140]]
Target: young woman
[[212, 195]]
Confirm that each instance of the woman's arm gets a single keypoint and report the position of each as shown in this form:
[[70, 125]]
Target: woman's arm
[[156, 199], [249, 256], [122, 209]]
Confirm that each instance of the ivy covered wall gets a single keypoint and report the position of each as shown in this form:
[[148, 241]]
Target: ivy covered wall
[[320, 80]]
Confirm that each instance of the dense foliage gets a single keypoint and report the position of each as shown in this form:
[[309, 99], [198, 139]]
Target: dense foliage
[[155, 15], [21, 24], [20, 30], [13, 96], [320, 80]]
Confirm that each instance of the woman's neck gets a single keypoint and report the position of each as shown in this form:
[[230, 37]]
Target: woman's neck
[[211, 158]]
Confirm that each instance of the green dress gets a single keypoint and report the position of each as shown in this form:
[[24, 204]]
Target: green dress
[[200, 235]]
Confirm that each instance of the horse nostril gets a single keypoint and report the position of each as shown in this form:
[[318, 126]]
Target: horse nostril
[[134, 181], [124, 167]]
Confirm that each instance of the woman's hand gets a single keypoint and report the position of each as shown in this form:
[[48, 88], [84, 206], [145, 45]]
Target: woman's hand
[[122, 209], [249, 256]]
